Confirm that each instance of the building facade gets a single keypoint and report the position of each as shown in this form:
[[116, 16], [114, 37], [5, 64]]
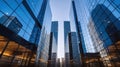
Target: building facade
[[106, 25], [80, 14], [43, 46], [67, 29], [102, 33], [74, 50], [22, 29], [53, 45]]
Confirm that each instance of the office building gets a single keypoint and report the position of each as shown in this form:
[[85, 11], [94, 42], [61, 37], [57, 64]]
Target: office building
[[22, 30], [74, 50], [43, 46], [52, 60], [54, 29], [102, 33], [78, 28], [67, 29], [106, 24], [50, 50], [53, 45], [78, 16], [63, 62], [58, 62]]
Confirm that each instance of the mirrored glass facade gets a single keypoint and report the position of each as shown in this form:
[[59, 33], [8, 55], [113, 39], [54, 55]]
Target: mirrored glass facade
[[100, 19], [67, 29], [74, 50], [22, 22]]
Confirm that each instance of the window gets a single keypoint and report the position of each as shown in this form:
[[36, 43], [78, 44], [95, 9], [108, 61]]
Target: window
[[5, 8], [117, 2]]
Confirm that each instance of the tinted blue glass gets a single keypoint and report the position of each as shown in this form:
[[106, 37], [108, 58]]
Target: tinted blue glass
[[26, 20], [66, 29], [108, 42], [21, 33], [106, 3], [117, 24], [116, 14], [19, 1], [5, 8], [117, 2], [34, 5], [105, 36], [111, 7], [1, 14], [101, 28], [22, 14], [26, 36], [29, 30], [12, 3]]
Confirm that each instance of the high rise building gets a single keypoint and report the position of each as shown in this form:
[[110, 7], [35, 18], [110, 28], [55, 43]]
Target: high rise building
[[58, 62], [43, 46], [50, 50], [35, 36], [74, 50], [102, 33], [53, 45], [52, 60], [67, 29], [24, 21], [63, 62], [77, 27], [78, 15], [106, 25], [54, 29]]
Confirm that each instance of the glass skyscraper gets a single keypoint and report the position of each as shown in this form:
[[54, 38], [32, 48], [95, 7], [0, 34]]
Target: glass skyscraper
[[78, 22], [52, 61], [67, 29], [54, 30], [99, 20], [43, 46], [21, 24], [74, 50], [106, 25]]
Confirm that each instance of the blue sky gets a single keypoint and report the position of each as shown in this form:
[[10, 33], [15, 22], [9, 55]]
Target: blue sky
[[60, 12]]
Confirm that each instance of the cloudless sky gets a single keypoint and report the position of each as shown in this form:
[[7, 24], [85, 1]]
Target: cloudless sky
[[60, 12]]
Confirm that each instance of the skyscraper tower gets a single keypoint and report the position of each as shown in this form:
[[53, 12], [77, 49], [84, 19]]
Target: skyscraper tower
[[53, 45], [74, 50], [67, 30]]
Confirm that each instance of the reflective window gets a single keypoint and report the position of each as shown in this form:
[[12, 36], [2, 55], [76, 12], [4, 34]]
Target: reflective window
[[34, 5], [4, 8], [117, 2], [12, 4]]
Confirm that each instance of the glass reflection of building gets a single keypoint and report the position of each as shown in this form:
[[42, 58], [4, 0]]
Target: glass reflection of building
[[43, 46], [107, 28], [21, 24], [102, 18], [12, 23]]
